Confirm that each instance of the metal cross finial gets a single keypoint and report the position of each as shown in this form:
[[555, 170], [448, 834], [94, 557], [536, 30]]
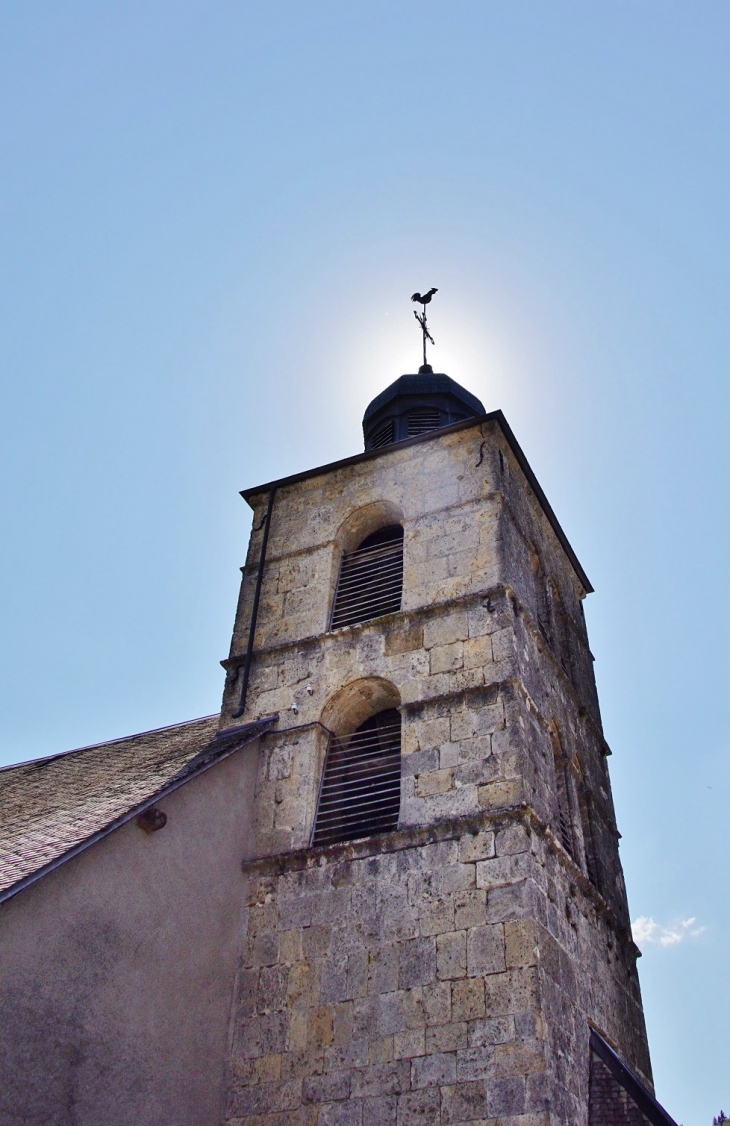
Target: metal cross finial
[[424, 299]]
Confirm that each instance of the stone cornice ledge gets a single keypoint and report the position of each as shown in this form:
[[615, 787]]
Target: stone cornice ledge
[[416, 836], [313, 642]]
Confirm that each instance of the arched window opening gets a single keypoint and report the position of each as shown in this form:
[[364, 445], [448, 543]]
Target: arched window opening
[[589, 842], [360, 791], [562, 781], [562, 633], [541, 596], [566, 829], [370, 583]]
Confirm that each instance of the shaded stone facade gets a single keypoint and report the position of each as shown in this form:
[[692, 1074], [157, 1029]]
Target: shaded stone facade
[[449, 971]]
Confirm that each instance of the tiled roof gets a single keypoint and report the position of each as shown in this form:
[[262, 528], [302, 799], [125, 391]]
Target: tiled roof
[[616, 1094], [53, 807]]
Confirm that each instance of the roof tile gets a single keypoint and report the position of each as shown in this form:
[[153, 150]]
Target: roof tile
[[53, 805]]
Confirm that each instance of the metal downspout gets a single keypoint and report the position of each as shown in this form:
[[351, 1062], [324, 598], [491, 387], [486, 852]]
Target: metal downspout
[[255, 610]]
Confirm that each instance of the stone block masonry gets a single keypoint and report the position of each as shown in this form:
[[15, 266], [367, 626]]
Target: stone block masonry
[[422, 981], [447, 972]]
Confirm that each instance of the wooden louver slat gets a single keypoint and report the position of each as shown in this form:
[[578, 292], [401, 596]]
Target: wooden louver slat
[[360, 792]]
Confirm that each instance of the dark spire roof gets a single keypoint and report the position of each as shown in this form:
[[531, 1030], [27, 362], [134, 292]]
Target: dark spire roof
[[415, 404]]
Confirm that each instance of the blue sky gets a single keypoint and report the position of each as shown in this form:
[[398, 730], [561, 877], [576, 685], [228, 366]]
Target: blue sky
[[212, 217]]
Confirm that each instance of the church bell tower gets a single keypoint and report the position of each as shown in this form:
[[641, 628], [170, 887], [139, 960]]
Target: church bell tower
[[436, 927]]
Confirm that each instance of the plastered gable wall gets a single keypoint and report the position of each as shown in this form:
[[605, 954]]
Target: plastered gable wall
[[117, 969], [447, 972]]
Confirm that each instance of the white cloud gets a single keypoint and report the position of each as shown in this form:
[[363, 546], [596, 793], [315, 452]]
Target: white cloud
[[647, 932]]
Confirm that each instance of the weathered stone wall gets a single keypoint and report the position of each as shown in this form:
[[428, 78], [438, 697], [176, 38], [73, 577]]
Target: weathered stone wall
[[438, 981], [393, 987], [447, 972]]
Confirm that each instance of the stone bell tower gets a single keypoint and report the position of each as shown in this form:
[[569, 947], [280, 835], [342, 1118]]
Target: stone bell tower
[[436, 928]]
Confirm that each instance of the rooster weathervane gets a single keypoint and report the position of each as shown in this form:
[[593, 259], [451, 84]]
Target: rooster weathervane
[[424, 299]]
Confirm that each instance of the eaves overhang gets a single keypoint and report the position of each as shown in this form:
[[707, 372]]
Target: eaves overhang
[[492, 416]]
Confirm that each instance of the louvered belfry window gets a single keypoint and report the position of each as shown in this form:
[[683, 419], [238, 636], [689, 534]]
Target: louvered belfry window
[[423, 420], [360, 792], [564, 818], [371, 579], [562, 780], [384, 435]]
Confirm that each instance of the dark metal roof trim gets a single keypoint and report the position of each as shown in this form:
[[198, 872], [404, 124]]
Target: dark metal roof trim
[[220, 747], [641, 1095], [479, 420], [408, 386]]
